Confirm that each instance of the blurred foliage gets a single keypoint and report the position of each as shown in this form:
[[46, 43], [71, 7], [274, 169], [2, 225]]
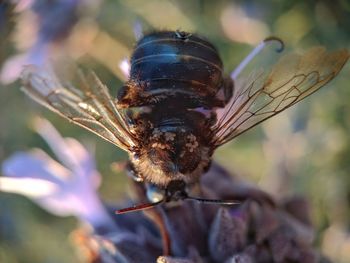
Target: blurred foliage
[[305, 150]]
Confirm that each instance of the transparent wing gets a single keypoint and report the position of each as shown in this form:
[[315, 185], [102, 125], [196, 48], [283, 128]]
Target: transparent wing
[[88, 105], [265, 93]]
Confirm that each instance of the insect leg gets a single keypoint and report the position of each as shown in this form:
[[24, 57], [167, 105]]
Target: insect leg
[[255, 52]]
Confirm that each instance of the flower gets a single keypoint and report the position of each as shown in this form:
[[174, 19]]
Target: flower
[[258, 230], [40, 28], [65, 188]]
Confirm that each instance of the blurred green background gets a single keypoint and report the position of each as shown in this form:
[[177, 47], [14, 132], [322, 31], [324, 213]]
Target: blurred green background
[[305, 150]]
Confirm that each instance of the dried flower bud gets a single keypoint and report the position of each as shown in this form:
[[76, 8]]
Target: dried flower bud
[[240, 258], [299, 208], [258, 230], [174, 260], [227, 235], [179, 220]]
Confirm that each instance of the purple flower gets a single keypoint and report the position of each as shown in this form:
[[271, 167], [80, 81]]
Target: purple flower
[[43, 21], [64, 188], [259, 230]]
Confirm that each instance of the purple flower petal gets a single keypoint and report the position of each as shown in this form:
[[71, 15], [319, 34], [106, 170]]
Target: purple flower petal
[[33, 188], [35, 164], [61, 190], [70, 152], [12, 68]]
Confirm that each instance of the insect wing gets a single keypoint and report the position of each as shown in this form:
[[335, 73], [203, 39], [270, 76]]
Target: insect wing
[[90, 105], [264, 93]]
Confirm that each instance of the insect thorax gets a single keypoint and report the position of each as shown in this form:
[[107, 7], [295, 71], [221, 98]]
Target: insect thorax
[[174, 144]]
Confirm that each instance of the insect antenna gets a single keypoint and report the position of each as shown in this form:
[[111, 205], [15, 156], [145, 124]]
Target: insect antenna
[[213, 201], [138, 207]]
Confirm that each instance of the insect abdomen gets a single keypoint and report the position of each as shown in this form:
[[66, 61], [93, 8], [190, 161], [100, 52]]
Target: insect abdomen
[[173, 65]]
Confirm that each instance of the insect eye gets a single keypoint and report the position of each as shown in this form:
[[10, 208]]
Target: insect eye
[[154, 194]]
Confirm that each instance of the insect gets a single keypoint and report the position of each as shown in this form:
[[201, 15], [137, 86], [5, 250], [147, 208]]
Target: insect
[[178, 106]]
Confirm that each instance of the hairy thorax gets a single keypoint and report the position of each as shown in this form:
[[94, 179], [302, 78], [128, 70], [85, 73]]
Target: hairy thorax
[[174, 149], [163, 172]]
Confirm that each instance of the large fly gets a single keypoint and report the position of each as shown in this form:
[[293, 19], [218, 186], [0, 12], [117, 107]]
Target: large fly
[[186, 106]]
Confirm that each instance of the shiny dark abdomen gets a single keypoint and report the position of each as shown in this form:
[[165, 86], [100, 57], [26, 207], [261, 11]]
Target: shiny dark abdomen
[[169, 67]]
